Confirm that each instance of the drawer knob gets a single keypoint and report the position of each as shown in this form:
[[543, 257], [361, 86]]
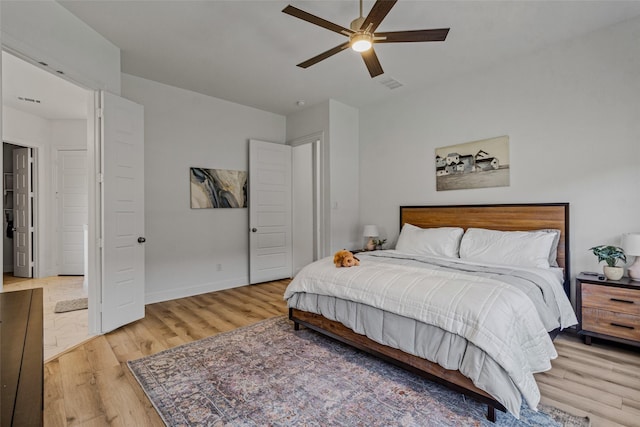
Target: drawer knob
[[621, 300], [622, 326]]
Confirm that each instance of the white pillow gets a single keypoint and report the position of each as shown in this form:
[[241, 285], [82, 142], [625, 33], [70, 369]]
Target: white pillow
[[521, 248], [443, 241], [553, 253]]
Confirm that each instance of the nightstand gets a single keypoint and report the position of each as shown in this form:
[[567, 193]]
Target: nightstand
[[608, 309], [358, 251]]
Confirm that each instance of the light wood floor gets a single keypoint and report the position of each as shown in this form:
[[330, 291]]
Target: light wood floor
[[61, 330], [91, 385], [601, 381]]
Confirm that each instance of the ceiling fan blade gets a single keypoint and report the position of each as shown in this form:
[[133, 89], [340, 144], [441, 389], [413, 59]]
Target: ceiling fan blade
[[306, 16], [377, 14], [437, 35], [372, 63], [323, 55]]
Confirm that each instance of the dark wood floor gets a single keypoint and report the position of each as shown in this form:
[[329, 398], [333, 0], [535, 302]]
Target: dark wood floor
[[91, 385]]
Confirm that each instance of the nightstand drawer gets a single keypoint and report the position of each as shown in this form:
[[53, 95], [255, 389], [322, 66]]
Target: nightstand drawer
[[610, 323], [620, 300]]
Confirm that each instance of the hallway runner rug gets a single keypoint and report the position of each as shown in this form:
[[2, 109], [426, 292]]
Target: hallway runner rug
[[267, 374], [71, 305]]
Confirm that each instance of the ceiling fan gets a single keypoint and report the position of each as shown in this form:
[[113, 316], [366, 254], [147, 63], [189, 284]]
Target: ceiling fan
[[362, 34]]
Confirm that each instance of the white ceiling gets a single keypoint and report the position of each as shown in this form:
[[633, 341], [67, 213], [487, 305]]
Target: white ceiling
[[246, 51]]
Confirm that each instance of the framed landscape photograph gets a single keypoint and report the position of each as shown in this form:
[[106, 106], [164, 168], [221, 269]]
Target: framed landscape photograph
[[218, 188], [476, 164]]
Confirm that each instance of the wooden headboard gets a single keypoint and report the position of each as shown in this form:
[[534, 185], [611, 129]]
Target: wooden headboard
[[508, 217]]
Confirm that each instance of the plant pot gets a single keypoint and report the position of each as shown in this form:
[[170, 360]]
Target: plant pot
[[370, 245], [613, 273]]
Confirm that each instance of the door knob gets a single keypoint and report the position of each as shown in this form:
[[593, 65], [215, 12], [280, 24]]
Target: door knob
[[254, 230], [141, 240]]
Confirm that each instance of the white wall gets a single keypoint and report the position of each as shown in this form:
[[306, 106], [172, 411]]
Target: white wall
[[346, 232], [185, 129], [571, 112], [46, 32], [25, 129], [68, 134]]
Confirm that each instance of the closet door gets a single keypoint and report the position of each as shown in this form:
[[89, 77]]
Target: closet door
[[72, 210], [22, 212]]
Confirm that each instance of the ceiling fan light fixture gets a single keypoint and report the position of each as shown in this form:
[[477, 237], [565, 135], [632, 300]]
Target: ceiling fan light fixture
[[362, 34], [361, 42]]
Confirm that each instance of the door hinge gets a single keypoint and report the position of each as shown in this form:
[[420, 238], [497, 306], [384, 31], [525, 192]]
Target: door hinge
[[100, 243], [100, 178], [99, 113]]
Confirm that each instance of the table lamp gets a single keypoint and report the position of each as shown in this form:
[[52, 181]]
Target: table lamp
[[631, 246], [370, 231]]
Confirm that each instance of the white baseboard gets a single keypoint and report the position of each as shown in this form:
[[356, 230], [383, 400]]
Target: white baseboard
[[183, 292]]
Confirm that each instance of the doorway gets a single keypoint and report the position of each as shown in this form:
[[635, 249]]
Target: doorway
[[307, 201], [104, 117], [47, 116], [19, 210]]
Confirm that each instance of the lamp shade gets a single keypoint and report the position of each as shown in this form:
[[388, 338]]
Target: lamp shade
[[370, 231], [631, 243]]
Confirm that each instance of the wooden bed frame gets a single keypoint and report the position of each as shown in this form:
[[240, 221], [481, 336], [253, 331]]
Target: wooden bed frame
[[506, 217]]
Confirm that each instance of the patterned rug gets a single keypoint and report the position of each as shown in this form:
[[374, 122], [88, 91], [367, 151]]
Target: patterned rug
[[71, 305], [269, 374]]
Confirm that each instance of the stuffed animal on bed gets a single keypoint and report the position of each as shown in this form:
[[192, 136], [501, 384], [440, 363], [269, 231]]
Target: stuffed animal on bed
[[345, 258]]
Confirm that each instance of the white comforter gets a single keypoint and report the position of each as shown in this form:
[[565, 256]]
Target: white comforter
[[496, 317]]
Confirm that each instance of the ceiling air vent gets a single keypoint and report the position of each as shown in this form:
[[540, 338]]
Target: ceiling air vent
[[35, 101], [390, 82]]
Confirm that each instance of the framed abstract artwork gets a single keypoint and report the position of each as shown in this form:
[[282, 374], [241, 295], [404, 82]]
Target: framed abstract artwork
[[477, 164], [218, 188]]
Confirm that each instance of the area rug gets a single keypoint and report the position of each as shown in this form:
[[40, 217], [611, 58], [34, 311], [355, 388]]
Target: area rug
[[267, 374], [71, 305]]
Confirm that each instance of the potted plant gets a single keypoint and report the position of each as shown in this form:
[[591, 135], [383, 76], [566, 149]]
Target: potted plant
[[610, 255], [379, 243]]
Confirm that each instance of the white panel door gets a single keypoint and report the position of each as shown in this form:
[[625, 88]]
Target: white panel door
[[122, 143], [270, 247], [22, 212], [72, 210]]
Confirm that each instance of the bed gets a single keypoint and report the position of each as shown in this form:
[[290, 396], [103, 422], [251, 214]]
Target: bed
[[432, 338]]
